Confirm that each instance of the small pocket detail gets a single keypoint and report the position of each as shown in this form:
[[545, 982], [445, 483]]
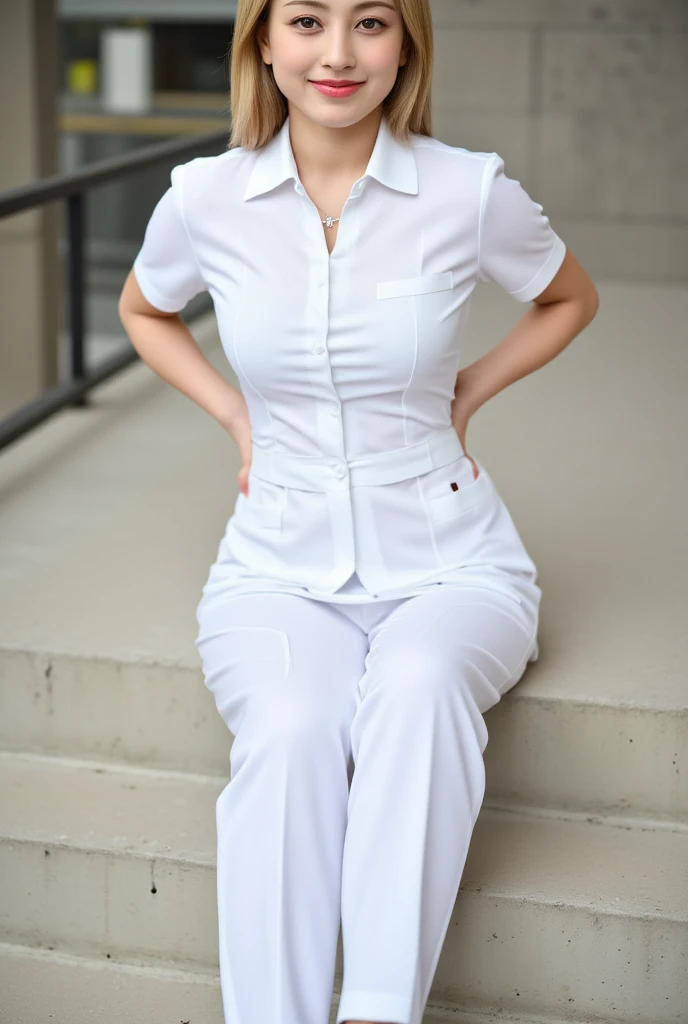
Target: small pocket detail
[[455, 503], [415, 285]]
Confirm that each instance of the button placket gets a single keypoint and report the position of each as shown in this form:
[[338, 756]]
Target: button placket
[[322, 285], [320, 279]]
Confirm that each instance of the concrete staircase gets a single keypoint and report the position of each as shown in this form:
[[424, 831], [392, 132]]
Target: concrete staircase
[[574, 901]]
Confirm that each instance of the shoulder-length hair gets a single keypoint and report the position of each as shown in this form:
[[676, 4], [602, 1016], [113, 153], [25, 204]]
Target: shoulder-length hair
[[259, 108]]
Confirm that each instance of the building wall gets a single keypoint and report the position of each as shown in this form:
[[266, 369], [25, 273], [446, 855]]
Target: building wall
[[588, 104]]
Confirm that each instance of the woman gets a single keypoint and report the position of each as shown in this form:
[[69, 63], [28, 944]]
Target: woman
[[371, 598]]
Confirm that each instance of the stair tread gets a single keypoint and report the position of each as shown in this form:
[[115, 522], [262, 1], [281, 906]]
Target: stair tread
[[549, 859], [46, 987], [53, 987]]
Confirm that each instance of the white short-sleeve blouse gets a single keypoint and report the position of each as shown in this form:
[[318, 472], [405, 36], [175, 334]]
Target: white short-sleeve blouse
[[348, 361]]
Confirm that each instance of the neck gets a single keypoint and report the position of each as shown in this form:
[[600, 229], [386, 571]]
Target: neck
[[323, 153]]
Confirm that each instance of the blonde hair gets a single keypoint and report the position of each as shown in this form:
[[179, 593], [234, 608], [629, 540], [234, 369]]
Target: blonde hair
[[259, 108]]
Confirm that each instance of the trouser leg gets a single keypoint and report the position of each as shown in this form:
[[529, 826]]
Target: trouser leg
[[283, 670], [437, 662]]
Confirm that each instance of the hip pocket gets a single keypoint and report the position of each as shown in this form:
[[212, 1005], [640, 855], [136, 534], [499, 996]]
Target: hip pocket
[[240, 663], [460, 496], [265, 504]]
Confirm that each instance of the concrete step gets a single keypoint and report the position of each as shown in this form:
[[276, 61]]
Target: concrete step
[[44, 987], [552, 744], [565, 918], [40, 986]]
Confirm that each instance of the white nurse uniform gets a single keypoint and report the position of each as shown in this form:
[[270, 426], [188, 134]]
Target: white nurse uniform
[[370, 599]]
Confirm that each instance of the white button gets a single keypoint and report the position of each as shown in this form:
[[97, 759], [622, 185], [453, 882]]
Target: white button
[[334, 413], [318, 350], [339, 470]]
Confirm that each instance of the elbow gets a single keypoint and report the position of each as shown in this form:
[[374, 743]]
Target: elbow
[[586, 303], [593, 303], [124, 312], [124, 302]]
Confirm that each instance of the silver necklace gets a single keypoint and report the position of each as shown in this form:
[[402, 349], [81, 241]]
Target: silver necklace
[[329, 221]]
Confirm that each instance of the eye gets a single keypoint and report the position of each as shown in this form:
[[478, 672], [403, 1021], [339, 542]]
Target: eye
[[304, 17], [309, 17]]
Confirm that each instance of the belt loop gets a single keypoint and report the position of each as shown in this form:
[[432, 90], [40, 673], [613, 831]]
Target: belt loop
[[445, 446]]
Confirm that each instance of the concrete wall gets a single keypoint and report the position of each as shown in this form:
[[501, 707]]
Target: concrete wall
[[29, 268], [588, 104]]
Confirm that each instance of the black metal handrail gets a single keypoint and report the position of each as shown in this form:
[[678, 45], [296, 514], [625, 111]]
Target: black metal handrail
[[72, 189]]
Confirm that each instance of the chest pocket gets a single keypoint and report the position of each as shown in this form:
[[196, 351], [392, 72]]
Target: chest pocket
[[415, 285]]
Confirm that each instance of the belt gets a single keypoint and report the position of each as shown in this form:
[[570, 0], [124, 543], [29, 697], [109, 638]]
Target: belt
[[325, 473]]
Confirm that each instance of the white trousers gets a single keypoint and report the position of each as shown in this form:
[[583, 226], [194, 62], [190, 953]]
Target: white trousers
[[356, 777]]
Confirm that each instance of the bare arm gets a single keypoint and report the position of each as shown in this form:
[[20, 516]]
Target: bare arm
[[559, 313], [165, 343]]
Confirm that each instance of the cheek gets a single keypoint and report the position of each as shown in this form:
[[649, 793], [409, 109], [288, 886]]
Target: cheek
[[291, 54], [383, 58], [289, 69], [289, 78]]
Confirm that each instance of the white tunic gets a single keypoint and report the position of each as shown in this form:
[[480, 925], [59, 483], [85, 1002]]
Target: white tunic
[[348, 361]]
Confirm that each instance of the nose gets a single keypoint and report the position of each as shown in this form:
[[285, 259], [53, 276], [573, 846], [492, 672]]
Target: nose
[[337, 49]]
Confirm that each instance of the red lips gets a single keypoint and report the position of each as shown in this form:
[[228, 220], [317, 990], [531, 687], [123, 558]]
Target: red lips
[[335, 83]]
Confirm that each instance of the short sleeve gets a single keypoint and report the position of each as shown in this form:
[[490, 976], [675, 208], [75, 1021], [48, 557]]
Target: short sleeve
[[518, 249], [166, 267]]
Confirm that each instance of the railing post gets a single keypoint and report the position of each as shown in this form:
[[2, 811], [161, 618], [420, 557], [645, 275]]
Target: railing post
[[73, 190], [77, 301]]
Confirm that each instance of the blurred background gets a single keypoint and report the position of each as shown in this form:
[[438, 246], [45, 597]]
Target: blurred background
[[82, 82]]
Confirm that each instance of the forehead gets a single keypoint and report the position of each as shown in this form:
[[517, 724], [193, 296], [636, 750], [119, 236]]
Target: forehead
[[338, 5]]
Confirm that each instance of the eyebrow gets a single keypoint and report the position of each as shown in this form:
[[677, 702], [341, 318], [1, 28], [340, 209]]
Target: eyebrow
[[356, 7]]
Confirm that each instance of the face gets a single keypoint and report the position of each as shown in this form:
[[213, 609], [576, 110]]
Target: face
[[310, 41]]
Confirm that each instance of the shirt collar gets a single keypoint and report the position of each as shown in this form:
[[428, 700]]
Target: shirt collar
[[392, 163]]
